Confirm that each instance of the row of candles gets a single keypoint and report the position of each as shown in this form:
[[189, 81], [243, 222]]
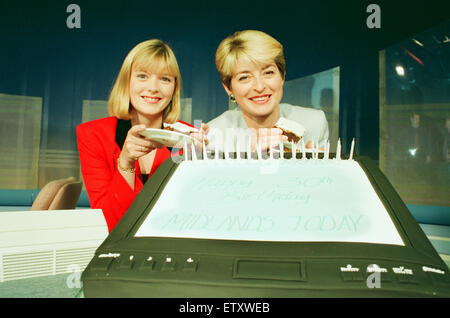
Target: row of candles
[[314, 150]]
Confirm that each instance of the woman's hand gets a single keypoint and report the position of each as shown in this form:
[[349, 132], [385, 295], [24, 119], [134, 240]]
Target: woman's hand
[[200, 136], [136, 146], [267, 137]]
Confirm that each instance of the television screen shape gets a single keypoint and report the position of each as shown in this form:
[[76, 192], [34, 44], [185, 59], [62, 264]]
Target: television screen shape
[[286, 227]]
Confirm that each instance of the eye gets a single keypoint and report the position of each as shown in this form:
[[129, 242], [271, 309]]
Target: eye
[[269, 72], [243, 78], [141, 76], [166, 79]]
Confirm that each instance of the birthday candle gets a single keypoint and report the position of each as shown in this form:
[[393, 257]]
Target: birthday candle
[[328, 146], [352, 149], [205, 155], [259, 150], [194, 153], [317, 150], [313, 150], [216, 152], [303, 150], [327, 150], [185, 151], [338, 149], [293, 150]]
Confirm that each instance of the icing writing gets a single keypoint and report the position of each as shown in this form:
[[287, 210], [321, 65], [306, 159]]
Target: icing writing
[[328, 223], [266, 195], [214, 184], [258, 223]]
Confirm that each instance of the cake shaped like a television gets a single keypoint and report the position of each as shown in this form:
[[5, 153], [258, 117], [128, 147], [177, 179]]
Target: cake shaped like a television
[[236, 225]]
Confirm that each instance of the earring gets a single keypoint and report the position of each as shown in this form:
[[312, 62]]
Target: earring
[[232, 98]]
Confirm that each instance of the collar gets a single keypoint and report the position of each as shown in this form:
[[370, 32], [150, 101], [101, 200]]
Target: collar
[[121, 131]]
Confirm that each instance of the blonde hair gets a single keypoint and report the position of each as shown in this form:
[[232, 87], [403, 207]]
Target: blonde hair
[[255, 45], [147, 54]]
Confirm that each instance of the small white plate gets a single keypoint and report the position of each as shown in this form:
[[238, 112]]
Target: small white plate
[[167, 137]]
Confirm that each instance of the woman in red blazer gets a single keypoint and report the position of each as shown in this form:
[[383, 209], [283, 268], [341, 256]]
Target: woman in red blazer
[[115, 159]]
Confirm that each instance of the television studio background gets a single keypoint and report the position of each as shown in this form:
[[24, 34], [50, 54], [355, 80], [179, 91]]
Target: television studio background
[[387, 87]]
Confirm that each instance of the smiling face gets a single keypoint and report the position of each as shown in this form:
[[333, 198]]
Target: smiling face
[[258, 89], [151, 90]]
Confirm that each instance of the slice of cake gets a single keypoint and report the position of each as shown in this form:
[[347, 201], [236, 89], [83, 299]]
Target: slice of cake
[[291, 129], [180, 128]]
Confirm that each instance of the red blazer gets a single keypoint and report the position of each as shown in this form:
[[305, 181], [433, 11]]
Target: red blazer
[[99, 149]]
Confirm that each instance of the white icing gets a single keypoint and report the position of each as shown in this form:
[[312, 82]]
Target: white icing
[[290, 126], [271, 200]]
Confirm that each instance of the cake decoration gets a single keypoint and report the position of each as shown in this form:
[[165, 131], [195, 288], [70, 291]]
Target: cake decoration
[[294, 148]]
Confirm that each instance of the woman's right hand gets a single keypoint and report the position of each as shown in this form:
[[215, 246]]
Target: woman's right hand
[[200, 137], [136, 146]]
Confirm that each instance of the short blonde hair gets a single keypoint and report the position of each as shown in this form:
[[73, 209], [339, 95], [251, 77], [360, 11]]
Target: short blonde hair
[[255, 45], [147, 54]]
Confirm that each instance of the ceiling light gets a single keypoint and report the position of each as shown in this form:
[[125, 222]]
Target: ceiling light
[[417, 42], [400, 70]]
